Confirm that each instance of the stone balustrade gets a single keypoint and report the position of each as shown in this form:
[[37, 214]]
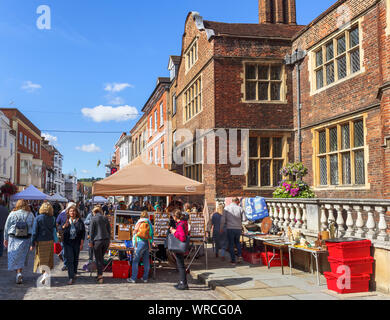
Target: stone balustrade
[[367, 219]]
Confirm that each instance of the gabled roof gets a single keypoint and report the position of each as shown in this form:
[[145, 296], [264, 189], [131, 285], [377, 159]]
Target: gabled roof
[[247, 30]]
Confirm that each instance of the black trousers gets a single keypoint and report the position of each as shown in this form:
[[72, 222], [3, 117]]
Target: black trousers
[[99, 248], [181, 268]]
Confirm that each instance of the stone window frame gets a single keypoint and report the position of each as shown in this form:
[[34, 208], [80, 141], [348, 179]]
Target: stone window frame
[[191, 55], [285, 150], [340, 152], [161, 106], [192, 100], [193, 164], [283, 80], [314, 68]]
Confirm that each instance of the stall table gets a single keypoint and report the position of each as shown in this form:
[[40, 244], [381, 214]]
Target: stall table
[[275, 245], [313, 253]]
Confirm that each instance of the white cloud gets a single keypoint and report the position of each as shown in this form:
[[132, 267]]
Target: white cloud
[[108, 113], [117, 87], [90, 148], [116, 101], [30, 87], [85, 171], [53, 140]]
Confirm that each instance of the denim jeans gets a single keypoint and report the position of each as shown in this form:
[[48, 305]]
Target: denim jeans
[[1, 242], [141, 253], [181, 267], [234, 240], [72, 253], [62, 254]]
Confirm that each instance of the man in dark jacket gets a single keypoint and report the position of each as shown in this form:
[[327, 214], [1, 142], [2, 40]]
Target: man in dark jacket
[[100, 235], [3, 218]]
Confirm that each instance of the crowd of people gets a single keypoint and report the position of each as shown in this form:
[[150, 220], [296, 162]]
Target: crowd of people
[[26, 230]]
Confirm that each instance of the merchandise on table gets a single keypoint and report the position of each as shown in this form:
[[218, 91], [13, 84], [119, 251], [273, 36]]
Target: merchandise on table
[[255, 208]]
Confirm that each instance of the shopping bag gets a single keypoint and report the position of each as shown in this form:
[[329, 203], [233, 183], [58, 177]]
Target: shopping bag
[[57, 248], [256, 208], [176, 246]]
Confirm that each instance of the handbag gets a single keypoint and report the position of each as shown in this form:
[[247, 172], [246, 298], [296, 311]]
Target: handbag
[[57, 248], [177, 246]]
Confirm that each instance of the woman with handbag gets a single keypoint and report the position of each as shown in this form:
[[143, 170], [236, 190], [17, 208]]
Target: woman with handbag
[[17, 237], [74, 235], [181, 234], [43, 238]]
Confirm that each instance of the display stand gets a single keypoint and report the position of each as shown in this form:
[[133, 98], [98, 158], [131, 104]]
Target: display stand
[[198, 237]]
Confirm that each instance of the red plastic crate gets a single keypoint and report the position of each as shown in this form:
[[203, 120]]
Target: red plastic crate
[[357, 266], [276, 261], [359, 283], [252, 257], [120, 269], [350, 250]]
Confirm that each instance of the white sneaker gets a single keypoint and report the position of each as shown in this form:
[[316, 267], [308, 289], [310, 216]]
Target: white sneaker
[[19, 278], [130, 280], [146, 281]]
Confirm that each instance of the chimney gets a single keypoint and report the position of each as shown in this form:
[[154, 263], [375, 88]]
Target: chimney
[[277, 12]]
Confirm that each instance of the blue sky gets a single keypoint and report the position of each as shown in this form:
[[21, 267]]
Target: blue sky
[[99, 53]]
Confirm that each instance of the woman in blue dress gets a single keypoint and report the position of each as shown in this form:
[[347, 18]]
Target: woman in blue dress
[[219, 239], [18, 247]]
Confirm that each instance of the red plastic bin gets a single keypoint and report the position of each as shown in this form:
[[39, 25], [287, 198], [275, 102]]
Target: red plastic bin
[[350, 250], [359, 283], [276, 261], [357, 266], [120, 269]]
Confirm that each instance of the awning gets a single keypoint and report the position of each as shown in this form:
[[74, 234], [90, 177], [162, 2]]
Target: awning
[[146, 180], [30, 193]]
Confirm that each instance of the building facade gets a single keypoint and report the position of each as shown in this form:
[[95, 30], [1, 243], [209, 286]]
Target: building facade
[[7, 150], [28, 161], [71, 187], [124, 146], [59, 179], [48, 172], [156, 136]]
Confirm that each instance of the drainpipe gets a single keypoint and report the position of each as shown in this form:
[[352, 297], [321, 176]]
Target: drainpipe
[[296, 59]]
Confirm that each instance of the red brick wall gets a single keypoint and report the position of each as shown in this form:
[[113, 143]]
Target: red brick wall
[[350, 95], [22, 148]]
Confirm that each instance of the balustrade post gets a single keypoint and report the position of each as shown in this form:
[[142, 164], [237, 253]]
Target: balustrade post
[[324, 219], [371, 225], [350, 231], [292, 215], [276, 214], [330, 213], [340, 220], [286, 216], [382, 226], [298, 216], [304, 216], [270, 213], [359, 222], [281, 216]]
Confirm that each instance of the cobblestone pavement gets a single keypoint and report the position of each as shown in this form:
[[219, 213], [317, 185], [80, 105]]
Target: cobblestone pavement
[[86, 288]]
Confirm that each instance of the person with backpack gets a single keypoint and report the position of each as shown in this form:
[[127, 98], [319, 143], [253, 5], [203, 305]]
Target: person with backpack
[[100, 234], [17, 237], [142, 241], [43, 239]]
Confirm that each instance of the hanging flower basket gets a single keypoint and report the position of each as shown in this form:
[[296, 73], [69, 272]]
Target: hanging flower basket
[[8, 189]]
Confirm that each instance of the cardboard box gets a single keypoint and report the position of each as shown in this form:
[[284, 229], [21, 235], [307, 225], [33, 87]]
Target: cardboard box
[[124, 232]]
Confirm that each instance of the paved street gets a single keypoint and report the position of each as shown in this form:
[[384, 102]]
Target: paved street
[[249, 282], [86, 289]]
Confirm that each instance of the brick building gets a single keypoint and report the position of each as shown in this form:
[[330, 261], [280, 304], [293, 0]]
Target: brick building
[[48, 173], [232, 76], [155, 110], [28, 161], [344, 99]]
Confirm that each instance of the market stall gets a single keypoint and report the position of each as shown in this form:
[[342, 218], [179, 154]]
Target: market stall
[[58, 198], [145, 180], [30, 193]]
